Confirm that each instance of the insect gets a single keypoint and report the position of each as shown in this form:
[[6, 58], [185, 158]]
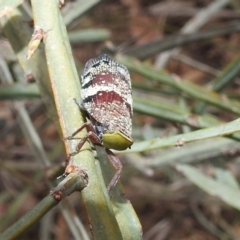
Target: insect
[[107, 101]]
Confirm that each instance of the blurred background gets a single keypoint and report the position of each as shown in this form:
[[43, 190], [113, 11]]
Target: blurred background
[[193, 41]]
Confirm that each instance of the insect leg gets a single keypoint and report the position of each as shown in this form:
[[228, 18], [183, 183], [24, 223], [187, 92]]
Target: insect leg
[[117, 165], [90, 135], [86, 125]]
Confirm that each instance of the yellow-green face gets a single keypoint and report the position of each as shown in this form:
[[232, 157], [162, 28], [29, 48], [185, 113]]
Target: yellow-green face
[[116, 140]]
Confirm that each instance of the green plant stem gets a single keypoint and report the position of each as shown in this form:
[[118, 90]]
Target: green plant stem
[[126, 217], [71, 183], [194, 152], [19, 91], [78, 8], [159, 45], [181, 139], [65, 87], [193, 90], [218, 84], [88, 35]]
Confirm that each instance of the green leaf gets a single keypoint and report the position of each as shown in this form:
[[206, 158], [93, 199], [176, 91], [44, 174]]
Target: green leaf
[[214, 187], [226, 177]]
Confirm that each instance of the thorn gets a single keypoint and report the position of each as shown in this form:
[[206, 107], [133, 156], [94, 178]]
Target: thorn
[[62, 176]]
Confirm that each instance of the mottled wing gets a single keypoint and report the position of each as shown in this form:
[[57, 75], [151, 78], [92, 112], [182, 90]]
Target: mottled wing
[[107, 95]]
